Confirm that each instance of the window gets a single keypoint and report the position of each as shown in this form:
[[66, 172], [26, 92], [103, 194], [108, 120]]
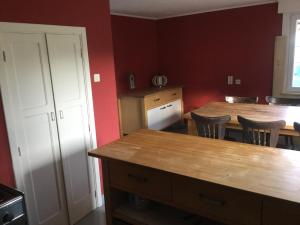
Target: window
[[296, 63], [293, 70]]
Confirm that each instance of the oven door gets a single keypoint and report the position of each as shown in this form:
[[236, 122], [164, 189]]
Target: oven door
[[17, 221]]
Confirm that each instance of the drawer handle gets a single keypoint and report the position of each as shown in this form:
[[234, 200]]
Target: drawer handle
[[157, 99], [169, 105], [137, 178], [212, 200], [163, 108], [174, 94]]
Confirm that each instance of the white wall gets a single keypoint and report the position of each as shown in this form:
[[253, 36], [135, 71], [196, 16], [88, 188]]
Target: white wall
[[288, 6]]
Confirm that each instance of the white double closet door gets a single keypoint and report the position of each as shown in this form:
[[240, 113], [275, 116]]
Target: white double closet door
[[43, 88]]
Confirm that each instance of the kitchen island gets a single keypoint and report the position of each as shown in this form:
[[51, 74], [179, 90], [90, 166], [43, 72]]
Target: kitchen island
[[228, 182]]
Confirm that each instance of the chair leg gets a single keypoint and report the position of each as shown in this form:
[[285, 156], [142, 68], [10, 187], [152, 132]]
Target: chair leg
[[292, 142], [286, 141], [226, 133], [289, 142]]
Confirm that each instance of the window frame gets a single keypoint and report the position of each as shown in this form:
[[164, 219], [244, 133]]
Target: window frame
[[289, 29]]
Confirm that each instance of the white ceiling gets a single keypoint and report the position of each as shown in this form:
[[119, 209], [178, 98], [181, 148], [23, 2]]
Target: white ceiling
[[158, 9]]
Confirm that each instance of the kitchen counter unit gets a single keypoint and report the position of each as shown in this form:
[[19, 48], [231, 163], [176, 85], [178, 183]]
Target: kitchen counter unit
[[229, 182]]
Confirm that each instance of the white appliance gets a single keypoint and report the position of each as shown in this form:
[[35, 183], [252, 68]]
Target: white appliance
[[161, 117]]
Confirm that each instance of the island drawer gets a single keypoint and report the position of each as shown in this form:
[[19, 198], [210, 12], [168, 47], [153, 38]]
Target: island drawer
[[140, 180], [217, 202], [279, 212]]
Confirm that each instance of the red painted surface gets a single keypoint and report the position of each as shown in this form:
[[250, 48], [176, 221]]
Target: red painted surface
[[135, 50], [6, 171], [94, 15], [199, 51]]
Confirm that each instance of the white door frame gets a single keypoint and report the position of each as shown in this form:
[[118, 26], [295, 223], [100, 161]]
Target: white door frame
[[52, 29]]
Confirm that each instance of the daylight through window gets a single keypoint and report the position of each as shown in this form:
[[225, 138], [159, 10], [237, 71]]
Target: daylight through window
[[296, 65]]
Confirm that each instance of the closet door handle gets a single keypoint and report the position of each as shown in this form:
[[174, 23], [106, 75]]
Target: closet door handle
[[52, 116], [61, 114]]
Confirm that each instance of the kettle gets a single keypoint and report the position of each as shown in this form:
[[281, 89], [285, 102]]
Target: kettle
[[159, 81]]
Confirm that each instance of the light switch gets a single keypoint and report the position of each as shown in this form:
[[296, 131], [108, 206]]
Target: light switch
[[229, 80], [97, 77], [238, 81]]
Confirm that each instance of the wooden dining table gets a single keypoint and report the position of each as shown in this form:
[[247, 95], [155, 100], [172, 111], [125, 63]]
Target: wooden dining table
[[257, 112]]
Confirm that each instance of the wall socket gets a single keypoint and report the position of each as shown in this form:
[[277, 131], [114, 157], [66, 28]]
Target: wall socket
[[237, 81], [230, 80]]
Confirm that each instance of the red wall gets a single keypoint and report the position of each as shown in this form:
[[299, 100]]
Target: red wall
[[135, 50], [199, 51], [94, 15], [6, 171]]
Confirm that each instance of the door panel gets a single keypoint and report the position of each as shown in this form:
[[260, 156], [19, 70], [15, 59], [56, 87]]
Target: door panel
[[71, 104], [66, 68], [30, 80], [73, 141], [27, 82], [42, 171]]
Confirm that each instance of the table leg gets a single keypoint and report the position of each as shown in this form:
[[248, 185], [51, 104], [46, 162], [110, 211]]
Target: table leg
[[192, 130]]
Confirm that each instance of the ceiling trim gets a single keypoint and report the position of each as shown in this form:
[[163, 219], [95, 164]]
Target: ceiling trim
[[219, 9], [196, 12], [133, 16]]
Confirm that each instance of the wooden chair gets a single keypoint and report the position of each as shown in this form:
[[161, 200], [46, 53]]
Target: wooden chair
[[289, 142], [210, 127], [232, 134], [261, 133], [236, 99], [282, 101], [297, 126]]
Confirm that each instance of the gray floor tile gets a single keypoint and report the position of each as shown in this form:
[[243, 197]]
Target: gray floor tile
[[97, 217]]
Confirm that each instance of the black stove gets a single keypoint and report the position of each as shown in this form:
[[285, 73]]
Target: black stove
[[12, 207]]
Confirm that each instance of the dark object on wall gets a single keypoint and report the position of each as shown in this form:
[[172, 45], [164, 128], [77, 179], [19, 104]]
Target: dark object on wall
[[131, 81], [159, 81]]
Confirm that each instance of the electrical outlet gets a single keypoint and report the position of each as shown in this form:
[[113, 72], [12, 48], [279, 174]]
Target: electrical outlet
[[238, 81], [230, 80], [97, 78]]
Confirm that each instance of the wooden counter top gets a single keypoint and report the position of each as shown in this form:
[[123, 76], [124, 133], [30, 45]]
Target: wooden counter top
[[268, 171], [148, 91]]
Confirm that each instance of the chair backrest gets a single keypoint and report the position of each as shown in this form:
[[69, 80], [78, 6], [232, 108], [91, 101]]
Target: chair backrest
[[261, 133], [236, 99], [297, 126], [282, 101], [210, 127]]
